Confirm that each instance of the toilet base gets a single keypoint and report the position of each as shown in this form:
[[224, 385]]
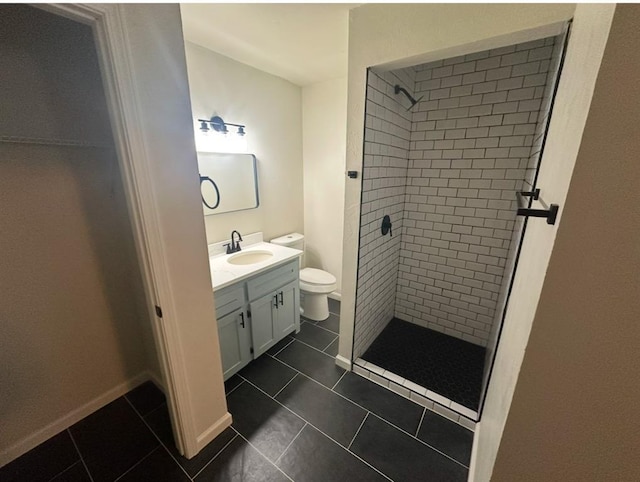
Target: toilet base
[[315, 306]]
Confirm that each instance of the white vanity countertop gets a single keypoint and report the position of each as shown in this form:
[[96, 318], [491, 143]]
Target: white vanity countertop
[[224, 273]]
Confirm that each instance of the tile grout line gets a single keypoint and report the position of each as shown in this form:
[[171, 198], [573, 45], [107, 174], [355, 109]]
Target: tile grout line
[[217, 453], [277, 401], [285, 385], [307, 376], [274, 355], [420, 423], [156, 435], [421, 441], [264, 456], [339, 379], [234, 388], [137, 463], [358, 431], [65, 470], [310, 346], [332, 342], [291, 443], [322, 327], [80, 455], [365, 409]]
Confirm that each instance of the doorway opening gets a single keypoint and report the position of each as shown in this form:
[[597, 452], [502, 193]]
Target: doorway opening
[[450, 149], [74, 313]]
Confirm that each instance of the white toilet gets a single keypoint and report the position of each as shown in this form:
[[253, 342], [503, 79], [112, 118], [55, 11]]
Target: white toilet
[[315, 284]]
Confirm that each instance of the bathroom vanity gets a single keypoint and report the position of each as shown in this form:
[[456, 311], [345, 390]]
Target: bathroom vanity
[[257, 298]]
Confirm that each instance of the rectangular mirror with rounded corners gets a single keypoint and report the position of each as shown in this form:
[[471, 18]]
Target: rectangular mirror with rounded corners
[[228, 182]]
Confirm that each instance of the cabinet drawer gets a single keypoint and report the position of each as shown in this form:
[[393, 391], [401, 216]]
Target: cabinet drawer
[[274, 279], [229, 299]]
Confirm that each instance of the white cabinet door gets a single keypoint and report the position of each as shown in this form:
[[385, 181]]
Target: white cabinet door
[[235, 342], [288, 311], [263, 323]]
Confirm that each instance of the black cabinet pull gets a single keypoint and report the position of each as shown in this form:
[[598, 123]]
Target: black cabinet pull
[[282, 298], [242, 319], [276, 298]]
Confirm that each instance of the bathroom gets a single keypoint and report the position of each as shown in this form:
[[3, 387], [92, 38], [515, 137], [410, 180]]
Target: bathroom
[[259, 362]]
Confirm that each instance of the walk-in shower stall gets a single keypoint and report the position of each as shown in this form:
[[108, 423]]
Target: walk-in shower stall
[[451, 148]]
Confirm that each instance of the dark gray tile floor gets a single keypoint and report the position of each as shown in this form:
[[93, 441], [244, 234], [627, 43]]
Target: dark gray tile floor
[[292, 420]]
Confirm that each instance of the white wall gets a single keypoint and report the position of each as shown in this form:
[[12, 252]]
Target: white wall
[[577, 81], [271, 109], [161, 89], [324, 131]]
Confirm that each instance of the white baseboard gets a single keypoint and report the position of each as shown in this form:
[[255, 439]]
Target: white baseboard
[[343, 362], [157, 380], [335, 295], [66, 421], [212, 432]]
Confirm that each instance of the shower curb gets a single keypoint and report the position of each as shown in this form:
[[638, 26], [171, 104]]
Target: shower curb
[[416, 393]]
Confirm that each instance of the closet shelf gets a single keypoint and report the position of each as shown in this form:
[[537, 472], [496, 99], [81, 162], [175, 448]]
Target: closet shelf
[[51, 142]]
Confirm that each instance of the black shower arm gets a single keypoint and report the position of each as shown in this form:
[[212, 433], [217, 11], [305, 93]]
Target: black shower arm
[[399, 89]]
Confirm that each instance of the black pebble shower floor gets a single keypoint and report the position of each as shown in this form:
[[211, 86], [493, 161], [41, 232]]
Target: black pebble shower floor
[[441, 363]]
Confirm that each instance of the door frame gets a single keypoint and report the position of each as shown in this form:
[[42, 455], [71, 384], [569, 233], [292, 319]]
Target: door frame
[[110, 35]]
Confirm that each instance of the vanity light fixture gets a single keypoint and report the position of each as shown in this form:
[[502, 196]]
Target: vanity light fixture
[[219, 125]]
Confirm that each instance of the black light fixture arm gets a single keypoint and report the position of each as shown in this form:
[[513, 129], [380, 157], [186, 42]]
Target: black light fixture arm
[[217, 124]]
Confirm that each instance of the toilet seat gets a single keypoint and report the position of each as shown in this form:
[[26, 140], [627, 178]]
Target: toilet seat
[[317, 281]]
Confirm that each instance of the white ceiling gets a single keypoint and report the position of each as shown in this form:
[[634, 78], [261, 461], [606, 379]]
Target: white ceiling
[[303, 43]]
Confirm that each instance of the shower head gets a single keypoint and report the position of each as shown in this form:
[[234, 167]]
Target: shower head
[[398, 89]]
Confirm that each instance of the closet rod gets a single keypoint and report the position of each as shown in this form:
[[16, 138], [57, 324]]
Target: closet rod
[[51, 142]]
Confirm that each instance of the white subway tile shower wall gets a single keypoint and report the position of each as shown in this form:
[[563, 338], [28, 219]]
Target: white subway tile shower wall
[[470, 151], [384, 174]]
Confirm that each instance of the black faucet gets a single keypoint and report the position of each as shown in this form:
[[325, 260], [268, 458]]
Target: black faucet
[[234, 246]]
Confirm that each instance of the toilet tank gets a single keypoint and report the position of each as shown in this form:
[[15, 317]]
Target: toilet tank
[[293, 240]]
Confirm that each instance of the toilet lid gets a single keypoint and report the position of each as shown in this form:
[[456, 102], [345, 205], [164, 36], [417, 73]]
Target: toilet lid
[[316, 276]]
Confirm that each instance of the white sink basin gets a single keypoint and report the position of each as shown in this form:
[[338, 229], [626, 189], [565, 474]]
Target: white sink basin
[[250, 257]]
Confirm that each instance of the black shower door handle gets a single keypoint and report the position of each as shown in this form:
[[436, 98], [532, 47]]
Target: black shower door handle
[[550, 214]]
